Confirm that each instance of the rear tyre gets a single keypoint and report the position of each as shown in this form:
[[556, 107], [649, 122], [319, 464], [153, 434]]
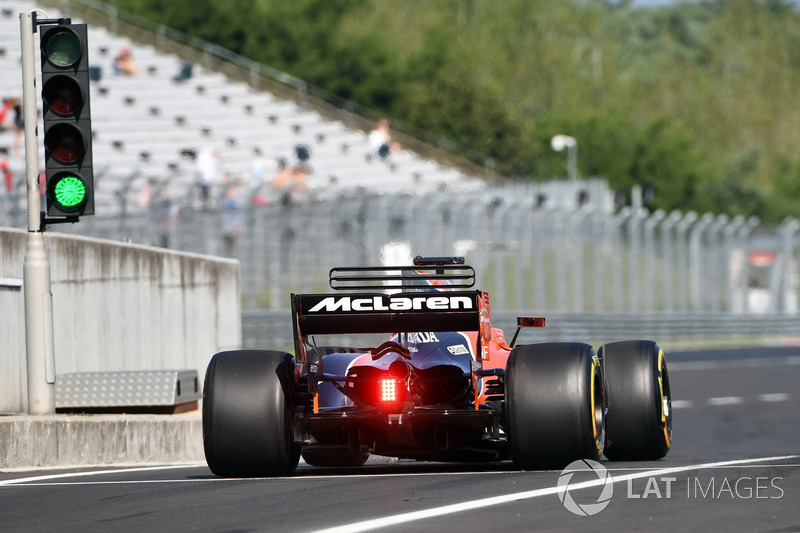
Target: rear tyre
[[639, 401], [247, 417], [555, 404]]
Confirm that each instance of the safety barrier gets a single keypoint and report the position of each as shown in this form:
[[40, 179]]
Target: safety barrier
[[271, 330], [532, 247]]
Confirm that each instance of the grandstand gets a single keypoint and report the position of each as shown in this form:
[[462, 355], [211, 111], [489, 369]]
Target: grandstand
[[152, 127], [561, 244]]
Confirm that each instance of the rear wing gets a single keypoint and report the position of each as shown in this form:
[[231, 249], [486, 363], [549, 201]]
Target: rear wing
[[382, 313], [449, 273], [428, 296]]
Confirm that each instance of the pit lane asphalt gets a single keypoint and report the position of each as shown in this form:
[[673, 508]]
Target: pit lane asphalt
[[734, 466]]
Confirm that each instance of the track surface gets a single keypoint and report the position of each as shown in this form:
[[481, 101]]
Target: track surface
[[735, 466]]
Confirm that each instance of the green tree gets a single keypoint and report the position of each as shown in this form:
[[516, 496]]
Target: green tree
[[696, 98]]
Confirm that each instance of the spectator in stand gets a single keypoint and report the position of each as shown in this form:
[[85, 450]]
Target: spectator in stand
[[258, 180], [380, 140], [8, 177], [209, 170], [282, 182], [232, 213], [164, 213], [146, 194], [184, 73], [299, 180], [290, 183], [6, 120], [11, 118], [124, 63]]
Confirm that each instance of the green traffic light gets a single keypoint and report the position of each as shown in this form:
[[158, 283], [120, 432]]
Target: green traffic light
[[63, 48], [66, 119], [69, 192]]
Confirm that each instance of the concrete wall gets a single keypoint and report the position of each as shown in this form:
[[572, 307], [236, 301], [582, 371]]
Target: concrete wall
[[116, 307], [65, 440]]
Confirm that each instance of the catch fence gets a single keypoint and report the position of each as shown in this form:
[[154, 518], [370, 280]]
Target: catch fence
[[565, 250]]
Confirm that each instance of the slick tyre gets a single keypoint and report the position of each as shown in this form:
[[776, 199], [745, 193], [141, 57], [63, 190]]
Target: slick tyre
[[555, 404], [247, 417], [639, 403]]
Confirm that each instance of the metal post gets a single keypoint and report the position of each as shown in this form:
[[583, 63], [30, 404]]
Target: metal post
[[36, 269], [651, 263], [599, 240], [618, 250], [558, 143], [788, 231], [696, 263], [637, 216], [572, 167], [717, 284], [671, 263]]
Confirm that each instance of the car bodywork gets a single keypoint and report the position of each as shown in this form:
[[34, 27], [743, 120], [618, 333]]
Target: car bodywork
[[435, 380], [433, 391]]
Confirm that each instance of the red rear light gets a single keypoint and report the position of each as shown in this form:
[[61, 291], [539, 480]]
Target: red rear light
[[388, 390]]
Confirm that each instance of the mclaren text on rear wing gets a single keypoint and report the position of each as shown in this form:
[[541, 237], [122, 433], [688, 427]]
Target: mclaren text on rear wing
[[382, 313]]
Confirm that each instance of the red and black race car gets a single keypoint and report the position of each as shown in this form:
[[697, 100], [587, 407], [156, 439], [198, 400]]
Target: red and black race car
[[443, 386]]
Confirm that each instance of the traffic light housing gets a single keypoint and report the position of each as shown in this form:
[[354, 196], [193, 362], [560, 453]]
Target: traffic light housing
[[67, 120]]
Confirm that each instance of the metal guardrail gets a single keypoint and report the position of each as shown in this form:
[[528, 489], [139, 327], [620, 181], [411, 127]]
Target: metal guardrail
[[562, 259], [264, 329]]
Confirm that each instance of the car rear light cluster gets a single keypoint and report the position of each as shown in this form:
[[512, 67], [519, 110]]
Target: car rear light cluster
[[388, 390], [379, 388]]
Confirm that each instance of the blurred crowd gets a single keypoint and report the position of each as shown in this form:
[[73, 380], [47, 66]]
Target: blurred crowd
[[280, 179]]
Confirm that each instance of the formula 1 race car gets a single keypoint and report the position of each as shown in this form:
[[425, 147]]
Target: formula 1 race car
[[444, 386]]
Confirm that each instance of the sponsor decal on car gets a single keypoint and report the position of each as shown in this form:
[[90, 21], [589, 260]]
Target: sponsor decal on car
[[422, 337], [458, 349], [347, 304]]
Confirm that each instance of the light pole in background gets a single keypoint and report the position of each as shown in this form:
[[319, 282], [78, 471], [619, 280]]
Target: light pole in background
[[559, 142]]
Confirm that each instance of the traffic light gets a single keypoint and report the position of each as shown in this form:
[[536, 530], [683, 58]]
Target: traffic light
[[67, 120]]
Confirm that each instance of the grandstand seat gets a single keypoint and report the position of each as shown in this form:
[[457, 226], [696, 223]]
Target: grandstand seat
[[154, 124]]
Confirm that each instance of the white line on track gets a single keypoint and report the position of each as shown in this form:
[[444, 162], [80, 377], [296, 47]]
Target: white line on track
[[91, 473], [726, 400], [774, 397], [33, 482], [472, 505], [752, 362]]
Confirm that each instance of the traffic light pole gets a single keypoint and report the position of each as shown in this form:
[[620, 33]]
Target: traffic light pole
[[36, 270]]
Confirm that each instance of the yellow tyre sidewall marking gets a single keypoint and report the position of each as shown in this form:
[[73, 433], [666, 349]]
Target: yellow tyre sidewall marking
[[667, 437], [597, 440]]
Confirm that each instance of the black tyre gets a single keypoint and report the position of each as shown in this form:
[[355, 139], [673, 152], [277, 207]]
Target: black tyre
[[639, 401], [555, 404], [247, 417]]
